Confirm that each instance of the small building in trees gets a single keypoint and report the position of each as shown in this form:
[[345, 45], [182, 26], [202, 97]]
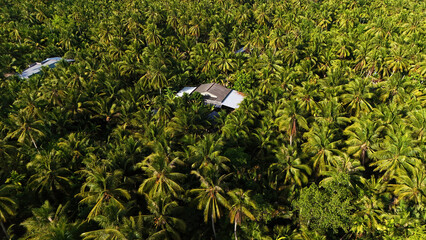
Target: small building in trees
[[216, 94], [243, 50], [35, 68]]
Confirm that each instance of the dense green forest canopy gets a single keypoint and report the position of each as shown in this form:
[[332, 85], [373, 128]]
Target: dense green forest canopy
[[329, 142]]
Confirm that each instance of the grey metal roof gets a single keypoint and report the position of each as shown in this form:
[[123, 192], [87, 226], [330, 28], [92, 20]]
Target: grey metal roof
[[204, 87], [241, 50], [213, 91], [216, 94], [35, 68]]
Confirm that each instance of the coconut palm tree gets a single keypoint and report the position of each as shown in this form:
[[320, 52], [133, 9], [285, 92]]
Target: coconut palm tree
[[237, 127], [389, 114], [289, 168], [166, 225], [368, 216], [162, 178], [155, 76], [322, 146], [397, 61], [73, 147], [225, 62], [216, 41], [396, 89], [357, 96], [102, 189], [363, 136], [106, 110], [210, 197], [48, 222], [26, 128], [331, 111], [7, 207], [152, 34], [7, 151], [349, 166], [50, 177], [110, 233], [206, 156], [240, 206], [291, 118], [398, 151], [361, 51], [416, 119], [306, 95], [411, 184], [189, 121], [261, 14]]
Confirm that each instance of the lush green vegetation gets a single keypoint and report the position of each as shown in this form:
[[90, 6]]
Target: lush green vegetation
[[328, 144]]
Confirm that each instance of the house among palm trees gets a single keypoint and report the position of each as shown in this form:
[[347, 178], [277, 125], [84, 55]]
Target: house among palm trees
[[216, 94], [35, 68], [243, 50]]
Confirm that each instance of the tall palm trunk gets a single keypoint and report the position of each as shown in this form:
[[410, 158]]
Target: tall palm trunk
[[235, 229], [34, 143], [293, 131], [214, 230], [4, 230]]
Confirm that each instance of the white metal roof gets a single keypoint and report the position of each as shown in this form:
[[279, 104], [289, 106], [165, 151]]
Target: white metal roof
[[233, 99], [36, 67], [187, 90]]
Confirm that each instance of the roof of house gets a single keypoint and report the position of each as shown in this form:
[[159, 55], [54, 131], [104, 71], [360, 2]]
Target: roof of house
[[35, 68], [216, 94], [233, 99], [187, 90], [241, 50], [213, 91]]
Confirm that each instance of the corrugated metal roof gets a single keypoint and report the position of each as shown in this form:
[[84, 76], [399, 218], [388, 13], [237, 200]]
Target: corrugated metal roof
[[216, 94], [214, 91], [204, 87], [36, 67], [233, 99], [187, 90], [216, 104], [241, 50]]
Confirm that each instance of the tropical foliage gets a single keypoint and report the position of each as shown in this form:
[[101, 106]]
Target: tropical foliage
[[329, 142]]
